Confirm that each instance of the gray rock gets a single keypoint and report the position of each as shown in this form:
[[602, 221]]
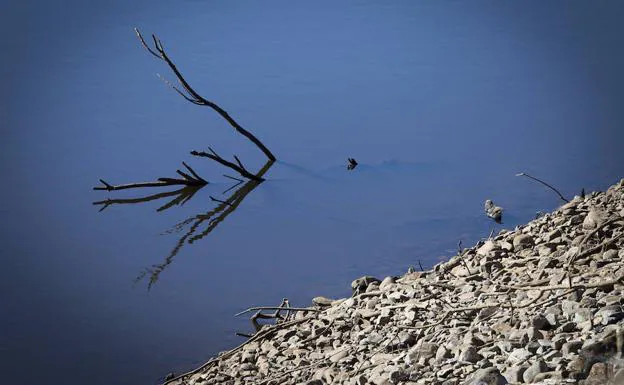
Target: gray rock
[[487, 376], [469, 354], [517, 356], [399, 375], [536, 368], [322, 301], [571, 347], [361, 284], [569, 307], [442, 353], [387, 283], [593, 219], [598, 375], [514, 373], [539, 322], [552, 375], [522, 241]]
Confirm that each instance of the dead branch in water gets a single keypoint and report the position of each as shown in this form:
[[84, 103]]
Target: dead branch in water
[[187, 180], [192, 96], [545, 184], [236, 167]]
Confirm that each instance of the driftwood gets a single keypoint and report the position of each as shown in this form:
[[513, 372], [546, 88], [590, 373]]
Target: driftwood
[[265, 332], [276, 315]]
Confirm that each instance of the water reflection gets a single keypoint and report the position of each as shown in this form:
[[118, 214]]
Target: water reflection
[[181, 196], [192, 227]]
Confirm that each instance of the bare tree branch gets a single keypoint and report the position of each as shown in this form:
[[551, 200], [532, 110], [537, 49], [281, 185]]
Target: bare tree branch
[[226, 163], [303, 309], [161, 182], [193, 97]]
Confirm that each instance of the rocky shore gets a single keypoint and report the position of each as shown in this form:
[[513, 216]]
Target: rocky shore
[[542, 304]]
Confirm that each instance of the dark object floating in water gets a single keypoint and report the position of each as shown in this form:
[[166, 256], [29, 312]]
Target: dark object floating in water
[[352, 164], [493, 211]]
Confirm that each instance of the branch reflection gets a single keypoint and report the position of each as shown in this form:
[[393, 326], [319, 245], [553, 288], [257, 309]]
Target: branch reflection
[[199, 226]]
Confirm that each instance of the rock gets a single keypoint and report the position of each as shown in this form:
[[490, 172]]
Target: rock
[[337, 356], [399, 375], [536, 368], [593, 219], [571, 347], [522, 241], [387, 283], [469, 354], [322, 301], [487, 376], [569, 307], [539, 322], [554, 376], [361, 284], [517, 356], [487, 247], [598, 374], [514, 373], [442, 353]]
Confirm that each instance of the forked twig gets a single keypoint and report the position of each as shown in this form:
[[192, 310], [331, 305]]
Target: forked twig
[[187, 180]]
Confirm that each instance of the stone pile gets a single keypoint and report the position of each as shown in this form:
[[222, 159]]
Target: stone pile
[[542, 304]]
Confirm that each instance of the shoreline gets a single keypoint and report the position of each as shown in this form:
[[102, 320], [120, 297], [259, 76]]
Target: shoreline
[[540, 304]]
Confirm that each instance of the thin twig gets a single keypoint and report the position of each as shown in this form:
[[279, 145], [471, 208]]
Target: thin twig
[[544, 183], [303, 309]]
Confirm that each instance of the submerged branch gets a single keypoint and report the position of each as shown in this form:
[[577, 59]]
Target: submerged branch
[[192, 96], [187, 180]]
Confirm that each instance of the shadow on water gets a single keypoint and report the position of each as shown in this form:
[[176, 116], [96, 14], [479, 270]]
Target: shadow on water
[[193, 224]]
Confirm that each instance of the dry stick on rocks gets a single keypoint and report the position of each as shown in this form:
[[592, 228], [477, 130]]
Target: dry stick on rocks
[[293, 309], [192, 96], [530, 303], [261, 334], [544, 183], [589, 235]]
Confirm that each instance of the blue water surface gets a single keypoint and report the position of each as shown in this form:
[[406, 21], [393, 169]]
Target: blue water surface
[[442, 103]]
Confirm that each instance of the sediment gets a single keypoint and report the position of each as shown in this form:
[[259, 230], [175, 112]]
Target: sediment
[[542, 304]]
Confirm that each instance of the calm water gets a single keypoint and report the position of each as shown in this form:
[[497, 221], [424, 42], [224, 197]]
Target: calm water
[[440, 102]]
